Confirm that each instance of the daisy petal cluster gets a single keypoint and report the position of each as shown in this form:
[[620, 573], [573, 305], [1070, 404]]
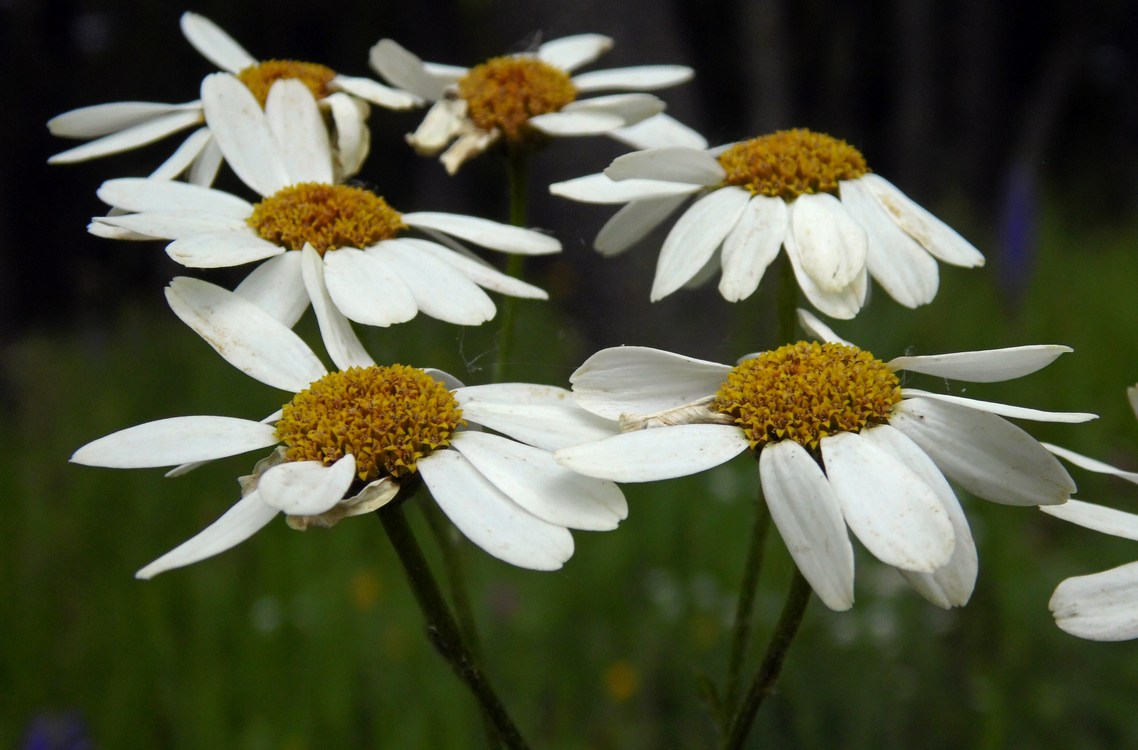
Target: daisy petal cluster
[[122, 126], [521, 99], [341, 248], [807, 193], [1100, 606], [840, 444], [350, 440]]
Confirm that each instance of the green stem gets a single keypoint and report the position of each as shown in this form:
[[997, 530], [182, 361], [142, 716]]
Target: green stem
[[745, 606], [441, 628], [767, 675], [518, 185]]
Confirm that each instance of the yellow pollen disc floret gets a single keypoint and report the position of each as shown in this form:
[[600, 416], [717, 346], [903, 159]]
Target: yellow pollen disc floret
[[505, 92], [325, 216], [260, 78], [791, 163], [806, 391], [386, 417]]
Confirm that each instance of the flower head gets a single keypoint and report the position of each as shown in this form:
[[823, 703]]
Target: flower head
[[840, 442], [341, 247], [806, 192], [127, 125], [1100, 606], [348, 441], [522, 100]]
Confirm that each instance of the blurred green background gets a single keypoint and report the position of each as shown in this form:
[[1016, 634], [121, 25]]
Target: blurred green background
[[298, 640]]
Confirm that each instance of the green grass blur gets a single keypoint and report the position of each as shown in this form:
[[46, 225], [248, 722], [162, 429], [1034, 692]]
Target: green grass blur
[[306, 640]]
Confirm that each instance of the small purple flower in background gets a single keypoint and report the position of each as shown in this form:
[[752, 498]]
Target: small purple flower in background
[[57, 731]]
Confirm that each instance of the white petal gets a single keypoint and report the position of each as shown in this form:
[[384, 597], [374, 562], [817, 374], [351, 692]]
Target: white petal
[[843, 304], [670, 164], [439, 290], [806, 512], [544, 416], [819, 330], [572, 52], [578, 123], [489, 234], [658, 131], [102, 119], [466, 147], [366, 288], [443, 121], [1096, 517], [248, 516], [170, 225], [405, 70], [890, 509], [306, 488], [481, 273], [138, 194], [630, 108], [903, 268], [300, 133], [1090, 464], [376, 93], [696, 235], [634, 222], [205, 168], [1004, 410], [241, 130], [532, 479], [276, 286], [168, 442], [340, 340], [244, 335], [639, 380], [221, 249], [950, 585], [932, 233], [752, 246], [639, 78], [133, 137], [214, 44], [987, 366], [186, 468], [658, 453], [832, 246], [597, 188], [983, 453], [353, 139], [1100, 607], [490, 519], [185, 155]]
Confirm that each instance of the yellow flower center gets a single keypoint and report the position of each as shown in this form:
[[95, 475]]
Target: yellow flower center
[[791, 163], [386, 417], [259, 78], [325, 216], [806, 391], [505, 92]]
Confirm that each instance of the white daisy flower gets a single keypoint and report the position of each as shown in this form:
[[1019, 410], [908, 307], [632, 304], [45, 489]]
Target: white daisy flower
[[840, 443], [522, 98], [342, 247], [123, 126], [349, 440], [1101, 606], [809, 193]]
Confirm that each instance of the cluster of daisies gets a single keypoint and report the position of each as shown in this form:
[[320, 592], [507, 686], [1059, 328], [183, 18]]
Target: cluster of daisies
[[841, 444]]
